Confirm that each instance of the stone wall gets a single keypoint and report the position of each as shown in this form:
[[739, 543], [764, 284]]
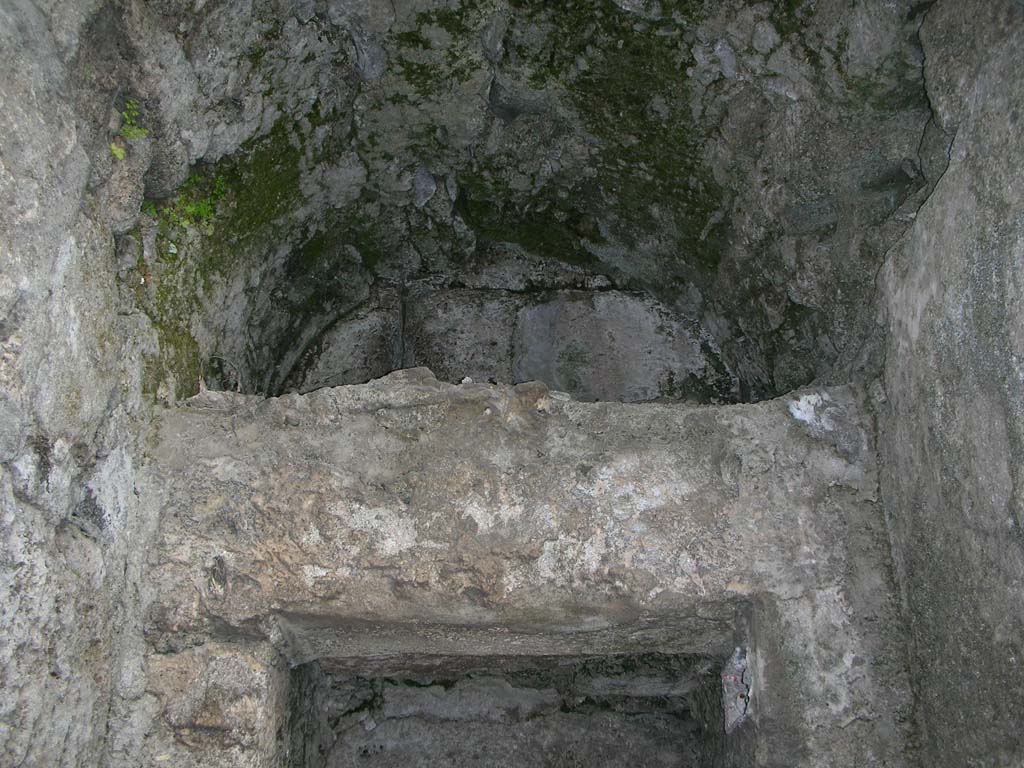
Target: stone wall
[[953, 422], [307, 151], [411, 524], [287, 164], [72, 531], [595, 345]]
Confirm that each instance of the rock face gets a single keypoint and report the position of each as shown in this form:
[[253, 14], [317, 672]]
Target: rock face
[[70, 404], [743, 165], [365, 344], [954, 420], [503, 503], [609, 346], [683, 201], [500, 722], [595, 345]]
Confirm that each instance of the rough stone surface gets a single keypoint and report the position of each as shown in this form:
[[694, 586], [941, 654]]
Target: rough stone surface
[[558, 712], [593, 344], [502, 503], [305, 151], [72, 533], [610, 346], [953, 419], [220, 706], [557, 739], [236, 195], [363, 345], [408, 518], [462, 333]]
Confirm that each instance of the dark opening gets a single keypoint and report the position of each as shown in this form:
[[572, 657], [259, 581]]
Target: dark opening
[[468, 712]]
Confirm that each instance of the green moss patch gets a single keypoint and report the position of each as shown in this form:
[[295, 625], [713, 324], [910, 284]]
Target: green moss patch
[[546, 224], [651, 183], [790, 16], [195, 203], [219, 217], [264, 180]]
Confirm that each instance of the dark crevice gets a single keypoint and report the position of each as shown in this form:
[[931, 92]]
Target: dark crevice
[[516, 712]]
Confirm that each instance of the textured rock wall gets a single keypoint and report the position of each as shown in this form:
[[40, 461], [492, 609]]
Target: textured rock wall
[[594, 345], [72, 531], [953, 425], [293, 159], [561, 712], [744, 163], [409, 501]]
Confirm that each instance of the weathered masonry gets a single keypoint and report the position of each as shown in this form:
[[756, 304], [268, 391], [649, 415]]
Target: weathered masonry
[[512, 383], [458, 534]]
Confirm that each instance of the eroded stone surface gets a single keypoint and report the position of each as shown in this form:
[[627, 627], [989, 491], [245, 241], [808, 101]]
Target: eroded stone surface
[[953, 422], [408, 518], [612, 346], [553, 712], [363, 345], [745, 164], [299, 157], [221, 706], [593, 344], [408, 501], [71, 530]]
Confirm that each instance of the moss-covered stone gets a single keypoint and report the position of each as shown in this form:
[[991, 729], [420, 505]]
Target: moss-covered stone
[[649, 181], [217, 224], [264, 179], [790, 16], [546, 224], [426, 78]]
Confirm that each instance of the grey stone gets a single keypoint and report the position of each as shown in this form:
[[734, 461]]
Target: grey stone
[[451, 186], [752, 198], [540, 516], [364, 344], [371, 57], [423, 187], [736, 689], [12, 428], [606, 346], [726, 59], [598, 346], [477, 699], [813, 216], [560, 739], [493, 37], [765, 37], [461, 333], [304, 10], [954, 417]]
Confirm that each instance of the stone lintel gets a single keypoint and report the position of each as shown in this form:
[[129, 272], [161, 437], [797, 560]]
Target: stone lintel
[[411, 514]]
